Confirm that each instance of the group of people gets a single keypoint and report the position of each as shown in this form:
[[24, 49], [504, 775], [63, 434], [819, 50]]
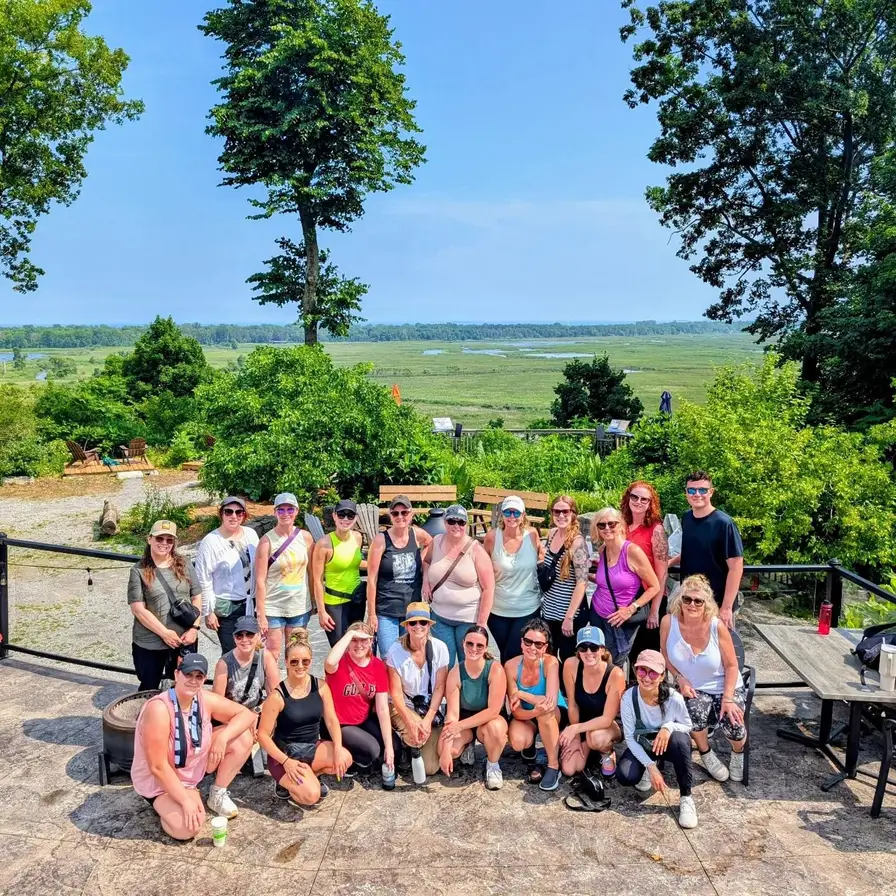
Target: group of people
[[434, 688]]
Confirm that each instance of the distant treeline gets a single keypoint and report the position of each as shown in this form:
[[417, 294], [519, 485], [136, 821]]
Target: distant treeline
[[73, 336]]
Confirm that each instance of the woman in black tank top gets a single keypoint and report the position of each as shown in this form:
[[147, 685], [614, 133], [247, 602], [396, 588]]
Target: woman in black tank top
[[289, 730], [594, 688]]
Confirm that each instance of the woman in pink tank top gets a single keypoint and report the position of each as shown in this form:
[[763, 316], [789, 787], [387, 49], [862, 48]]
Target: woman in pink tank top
[[174, 748]]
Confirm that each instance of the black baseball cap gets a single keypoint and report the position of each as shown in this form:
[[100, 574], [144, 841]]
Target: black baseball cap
[[246, 624], [194, 662], [346, 504]]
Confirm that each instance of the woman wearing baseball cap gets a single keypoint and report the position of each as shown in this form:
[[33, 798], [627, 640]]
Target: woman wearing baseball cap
[[516, 550], [458, 581], [224, 563], [162, 592], [655, 723], [281, 576]]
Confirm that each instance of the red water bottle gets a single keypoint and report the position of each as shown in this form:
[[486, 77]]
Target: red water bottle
[[824, 617]]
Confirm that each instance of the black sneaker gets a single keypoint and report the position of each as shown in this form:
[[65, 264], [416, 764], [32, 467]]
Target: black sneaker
[[529, 753], [551, 779], [324, 789], [280, 792]]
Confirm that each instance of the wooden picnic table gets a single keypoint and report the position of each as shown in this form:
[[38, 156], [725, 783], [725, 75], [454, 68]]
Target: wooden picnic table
[[828, 666]]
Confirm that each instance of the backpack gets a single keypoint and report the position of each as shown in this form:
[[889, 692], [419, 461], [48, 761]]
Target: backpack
[[868, 649]]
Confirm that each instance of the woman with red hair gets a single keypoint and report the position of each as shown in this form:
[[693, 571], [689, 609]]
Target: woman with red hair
[[641, 511]]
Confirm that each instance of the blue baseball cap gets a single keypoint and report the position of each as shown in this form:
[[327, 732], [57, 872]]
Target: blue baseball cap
[[590, 634]]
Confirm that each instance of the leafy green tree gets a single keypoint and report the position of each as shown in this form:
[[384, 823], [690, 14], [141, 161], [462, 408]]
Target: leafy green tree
[[59, 86], [19, 359], [594, 391], [164, 360], [61, 367], [315, 110], [286, 280], [772, 113], [291, 419]]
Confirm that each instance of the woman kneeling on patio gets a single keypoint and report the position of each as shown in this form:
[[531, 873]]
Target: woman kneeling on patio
[[174, 749]]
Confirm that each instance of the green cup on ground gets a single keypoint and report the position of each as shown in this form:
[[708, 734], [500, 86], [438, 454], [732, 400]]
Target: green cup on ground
[[219, 830]]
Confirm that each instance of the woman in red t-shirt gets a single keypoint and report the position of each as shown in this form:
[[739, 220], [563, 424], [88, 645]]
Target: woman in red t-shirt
[[359, 683], [641, 511]]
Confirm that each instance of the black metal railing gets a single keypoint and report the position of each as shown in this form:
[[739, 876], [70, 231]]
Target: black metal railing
[[602, 442], [835, 575]]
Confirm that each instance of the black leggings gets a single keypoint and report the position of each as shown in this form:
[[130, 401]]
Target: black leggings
[[508, 632], [153, 665], [227, 626], [678, 752], [343, 615], [364, 741]]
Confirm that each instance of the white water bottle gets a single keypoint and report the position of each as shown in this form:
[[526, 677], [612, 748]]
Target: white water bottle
[[417, 767]]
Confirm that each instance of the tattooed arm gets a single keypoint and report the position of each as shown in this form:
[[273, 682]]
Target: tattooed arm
[[580, 568], [660, 544]]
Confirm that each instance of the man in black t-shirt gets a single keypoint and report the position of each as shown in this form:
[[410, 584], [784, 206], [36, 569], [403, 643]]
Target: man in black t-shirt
[[711, 545]]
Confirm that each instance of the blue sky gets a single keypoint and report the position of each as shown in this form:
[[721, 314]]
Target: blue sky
[[530, 206]]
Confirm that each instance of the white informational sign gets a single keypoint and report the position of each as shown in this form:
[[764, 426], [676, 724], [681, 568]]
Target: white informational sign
[[442, 424]]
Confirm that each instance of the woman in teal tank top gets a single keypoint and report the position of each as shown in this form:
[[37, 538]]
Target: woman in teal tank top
[[533, 685], [475, 693], [336, 574]]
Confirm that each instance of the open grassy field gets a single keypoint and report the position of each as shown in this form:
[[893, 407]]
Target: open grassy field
[[475, 382]]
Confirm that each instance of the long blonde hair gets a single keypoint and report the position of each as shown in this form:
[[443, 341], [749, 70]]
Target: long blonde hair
[[694, 586], [572, 533]]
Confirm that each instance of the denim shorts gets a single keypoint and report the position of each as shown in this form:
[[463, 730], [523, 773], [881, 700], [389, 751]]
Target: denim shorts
[[300, 621]]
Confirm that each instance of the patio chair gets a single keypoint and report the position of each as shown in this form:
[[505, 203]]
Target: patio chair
[[314, 526], [368, 522], [886, 763], [748, 674], [134, 451], [82, 455]]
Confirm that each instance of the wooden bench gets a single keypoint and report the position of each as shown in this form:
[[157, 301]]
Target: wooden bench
[[423, 497], [482, 517]]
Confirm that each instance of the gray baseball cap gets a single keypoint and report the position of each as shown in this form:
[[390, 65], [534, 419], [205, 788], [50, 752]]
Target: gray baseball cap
[[286, 498], [456, 512]]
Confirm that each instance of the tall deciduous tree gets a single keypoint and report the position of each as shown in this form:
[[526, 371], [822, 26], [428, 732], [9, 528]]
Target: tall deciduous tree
[[164, 360], [58, 86], [315, 110], [596, 392], [775, 110]]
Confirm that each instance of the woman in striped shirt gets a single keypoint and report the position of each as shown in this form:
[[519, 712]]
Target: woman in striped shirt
[[566, 557]]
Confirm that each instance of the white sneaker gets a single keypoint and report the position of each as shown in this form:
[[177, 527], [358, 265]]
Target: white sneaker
[[220, 803], [736, 766], [714, 765], [645, 783], [494, 779], [687, 812], [468, 757]]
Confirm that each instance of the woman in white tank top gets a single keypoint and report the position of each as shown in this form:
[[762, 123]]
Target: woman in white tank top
[[700, 654]]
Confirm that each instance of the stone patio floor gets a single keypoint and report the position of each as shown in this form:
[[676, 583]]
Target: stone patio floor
[[60, 833]]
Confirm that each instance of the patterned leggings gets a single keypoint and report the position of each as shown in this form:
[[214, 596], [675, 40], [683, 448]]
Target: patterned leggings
[[706, 709]]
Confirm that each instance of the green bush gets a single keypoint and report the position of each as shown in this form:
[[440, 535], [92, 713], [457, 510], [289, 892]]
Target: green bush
[[874, 611], [156, 505], [292, 420]]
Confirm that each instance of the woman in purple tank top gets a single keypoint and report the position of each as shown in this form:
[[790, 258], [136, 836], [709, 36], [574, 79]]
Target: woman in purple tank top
[[626, 584]]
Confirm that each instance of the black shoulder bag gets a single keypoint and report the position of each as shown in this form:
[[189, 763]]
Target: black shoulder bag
[[868, 649], [421, 703], [643, 735], [250, 678], [640, 614], [547, 572], [182, 611]]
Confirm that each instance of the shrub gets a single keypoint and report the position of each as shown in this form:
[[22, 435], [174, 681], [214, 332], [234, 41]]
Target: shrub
[[156, 505], [290, 419]]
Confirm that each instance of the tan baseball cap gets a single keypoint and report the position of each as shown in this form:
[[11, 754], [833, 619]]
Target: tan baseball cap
[[163, 527]]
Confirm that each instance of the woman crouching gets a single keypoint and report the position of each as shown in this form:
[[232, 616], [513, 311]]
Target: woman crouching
[[289, 730]]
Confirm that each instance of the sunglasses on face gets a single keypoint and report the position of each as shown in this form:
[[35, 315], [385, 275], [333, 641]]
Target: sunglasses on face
[[538, 645], [422, 623], [346, 514], [399, 514], [642, 499], [560, 512], [163, 539], [232, 511], [194, 677], [285, 511], [304, 663], [696, 601], [650, 674], [455, 523], [612, 524], [239, 636], [472, 645], [516, 514], [698, 491], [588, 648]]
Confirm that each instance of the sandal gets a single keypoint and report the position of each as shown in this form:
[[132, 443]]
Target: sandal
[[579, 802], [536, 773]]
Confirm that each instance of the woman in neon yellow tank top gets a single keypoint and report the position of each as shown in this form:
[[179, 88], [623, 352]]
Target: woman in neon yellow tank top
[[336, 574]]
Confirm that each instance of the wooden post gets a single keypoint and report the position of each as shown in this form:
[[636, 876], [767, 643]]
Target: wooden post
[[109, 518]]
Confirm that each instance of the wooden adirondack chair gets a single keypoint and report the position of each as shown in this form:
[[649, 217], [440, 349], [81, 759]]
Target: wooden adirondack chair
[[81, 455], [368, 522], [134, 451]]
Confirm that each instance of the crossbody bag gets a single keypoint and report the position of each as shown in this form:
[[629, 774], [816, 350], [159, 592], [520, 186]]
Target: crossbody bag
[[182, 611], [641, 613]]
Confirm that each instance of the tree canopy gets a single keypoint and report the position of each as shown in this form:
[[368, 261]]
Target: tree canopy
[[596, 392], [58, 86], [773, 113], [314, 110]]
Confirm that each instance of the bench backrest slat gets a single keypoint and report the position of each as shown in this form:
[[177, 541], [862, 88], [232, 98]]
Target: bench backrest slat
[[430, 494], [533, 500]]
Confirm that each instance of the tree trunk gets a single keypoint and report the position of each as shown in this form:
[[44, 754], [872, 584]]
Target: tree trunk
[[312, 273], [109, 519]]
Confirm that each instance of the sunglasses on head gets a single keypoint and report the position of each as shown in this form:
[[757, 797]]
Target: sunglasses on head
[[453, 522], [609, 524], [417, 622], [588, 648], [164, 539], [537, 644], [698, 491], [644, 499], [516, 514], [696, 601], [233, 511], [399, 513], [288, 510], [642, 672], [346, 514], [304, 662]]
